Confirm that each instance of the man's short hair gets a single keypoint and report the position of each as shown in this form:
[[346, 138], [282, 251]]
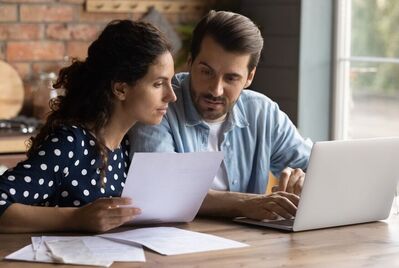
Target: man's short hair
[[234, 32]]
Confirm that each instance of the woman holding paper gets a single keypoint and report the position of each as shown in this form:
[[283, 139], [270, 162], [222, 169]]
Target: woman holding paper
[[79, 159]]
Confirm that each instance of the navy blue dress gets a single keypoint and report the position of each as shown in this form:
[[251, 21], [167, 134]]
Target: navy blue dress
[[65, 172]]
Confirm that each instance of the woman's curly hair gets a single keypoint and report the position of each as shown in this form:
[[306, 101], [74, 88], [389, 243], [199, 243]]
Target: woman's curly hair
[[123, 52]]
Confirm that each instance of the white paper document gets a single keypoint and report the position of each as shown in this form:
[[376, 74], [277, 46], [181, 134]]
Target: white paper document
[[173, 241], [170, 187], [102, 250]]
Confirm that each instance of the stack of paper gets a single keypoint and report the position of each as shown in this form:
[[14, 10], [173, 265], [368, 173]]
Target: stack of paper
[[103, 250], [83, 250], [173, 241]]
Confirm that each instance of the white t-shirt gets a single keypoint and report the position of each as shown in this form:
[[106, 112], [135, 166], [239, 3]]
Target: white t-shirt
[[220, 181]]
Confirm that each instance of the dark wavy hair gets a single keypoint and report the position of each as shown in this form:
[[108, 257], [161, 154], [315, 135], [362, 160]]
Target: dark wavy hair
[[234, 32], [123, 52]]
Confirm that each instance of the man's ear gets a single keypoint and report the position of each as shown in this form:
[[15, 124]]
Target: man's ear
[[189, 61], [251, 76], [120, 90]]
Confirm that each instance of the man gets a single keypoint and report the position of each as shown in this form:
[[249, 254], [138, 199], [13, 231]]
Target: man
[[214, 113]]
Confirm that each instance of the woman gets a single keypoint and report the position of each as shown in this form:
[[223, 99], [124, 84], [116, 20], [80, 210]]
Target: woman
[[79, 160]]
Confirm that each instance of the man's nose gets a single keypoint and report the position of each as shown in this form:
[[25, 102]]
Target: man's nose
[[217, 88]]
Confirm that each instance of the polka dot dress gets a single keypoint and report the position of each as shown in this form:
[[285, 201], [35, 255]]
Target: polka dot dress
[[65, 172]]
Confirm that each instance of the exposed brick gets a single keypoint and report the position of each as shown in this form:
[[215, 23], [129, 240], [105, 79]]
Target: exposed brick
[[77, 49], [47, 67], [23, 69], [21, 31], [47, 13], [8, 12], [82, 32], [106, 17], [31, 51]]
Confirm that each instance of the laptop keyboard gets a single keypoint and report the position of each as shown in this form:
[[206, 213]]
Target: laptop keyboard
[[285, 222]]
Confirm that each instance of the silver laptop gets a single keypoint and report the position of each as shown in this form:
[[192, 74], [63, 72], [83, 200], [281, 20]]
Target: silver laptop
[[347, 182]]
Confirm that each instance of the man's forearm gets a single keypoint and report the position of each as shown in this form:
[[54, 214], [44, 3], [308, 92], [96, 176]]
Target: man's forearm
[[20, 218], [224, 204]]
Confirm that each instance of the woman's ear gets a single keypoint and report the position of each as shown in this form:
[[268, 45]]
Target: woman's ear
[[120, 90]]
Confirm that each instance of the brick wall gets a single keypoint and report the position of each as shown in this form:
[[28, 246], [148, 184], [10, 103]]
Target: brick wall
[[41, 35]]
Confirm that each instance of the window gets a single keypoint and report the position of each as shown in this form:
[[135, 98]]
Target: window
[[366, 96]]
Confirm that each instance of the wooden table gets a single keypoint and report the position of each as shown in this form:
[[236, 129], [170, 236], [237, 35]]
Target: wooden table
[[372, 245]]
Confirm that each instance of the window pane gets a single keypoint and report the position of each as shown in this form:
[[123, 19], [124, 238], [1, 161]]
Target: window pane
[[374, 28], [373, 105]]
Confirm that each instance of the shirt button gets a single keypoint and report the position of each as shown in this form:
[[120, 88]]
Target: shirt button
[[235, 182]]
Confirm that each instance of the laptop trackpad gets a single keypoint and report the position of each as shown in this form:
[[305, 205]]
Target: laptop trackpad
[[283, 224]]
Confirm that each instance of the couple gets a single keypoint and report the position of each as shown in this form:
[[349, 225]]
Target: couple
[[80, 158]]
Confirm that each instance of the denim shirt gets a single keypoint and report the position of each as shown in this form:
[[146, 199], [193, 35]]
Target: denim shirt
[[257, 138]]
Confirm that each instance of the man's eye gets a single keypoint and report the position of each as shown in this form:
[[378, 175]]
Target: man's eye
[[205, 72]]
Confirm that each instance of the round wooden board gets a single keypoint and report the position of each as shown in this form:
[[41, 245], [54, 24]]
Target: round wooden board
[[11, 91]]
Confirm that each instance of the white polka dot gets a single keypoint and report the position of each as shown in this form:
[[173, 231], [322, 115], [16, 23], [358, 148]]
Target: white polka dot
[[115, 157], [70, 154], [124, 174], [36, 196], [125, 164], [56, 168], [98, 171], [57, 152], [75, 183], [110, 168], [11, 178], [43, 166], [45, 196], [92, 143], [84, 172], [119, 165], [84, 131], [70, 138], [66, 171], [41, 181], [76, 203], [27, 166], [83, 143], [121, 155], [74, 126], [26, 194], [12, 191], [54, 139], [92, 162], [4, 196], [50, 183], [64, 194], [27, 179], [2, 202], [93, 182], [41, 153], [102, 190], [105, 179], [115, 176], [77, 162], [85, 152], [86, 192], [112, 188], [126, 153], [122, 184]]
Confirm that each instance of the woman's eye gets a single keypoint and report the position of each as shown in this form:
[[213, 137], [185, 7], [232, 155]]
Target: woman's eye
[[158, 84], [206, 72]]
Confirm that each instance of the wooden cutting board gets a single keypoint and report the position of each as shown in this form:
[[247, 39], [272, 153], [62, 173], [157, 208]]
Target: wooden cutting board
[[11, 91]]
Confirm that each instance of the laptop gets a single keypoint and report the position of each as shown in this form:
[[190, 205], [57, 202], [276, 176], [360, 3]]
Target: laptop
[[347, 182]]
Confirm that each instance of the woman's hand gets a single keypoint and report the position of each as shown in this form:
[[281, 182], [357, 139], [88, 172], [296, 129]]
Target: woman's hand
[[105, 214]]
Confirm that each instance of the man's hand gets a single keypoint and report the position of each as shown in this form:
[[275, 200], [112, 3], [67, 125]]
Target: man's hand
[[105, 214], [291, 181], [278, 204]]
